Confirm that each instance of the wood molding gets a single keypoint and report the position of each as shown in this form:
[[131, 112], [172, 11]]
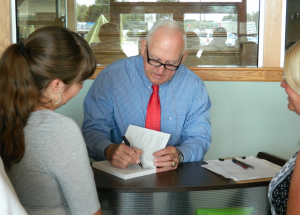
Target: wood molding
[[5, 21], [72, 15], [230, 74], [272, 33]]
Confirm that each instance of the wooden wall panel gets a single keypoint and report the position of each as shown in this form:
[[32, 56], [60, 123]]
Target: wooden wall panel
[[5, 23], [272, 33], [72, 15]]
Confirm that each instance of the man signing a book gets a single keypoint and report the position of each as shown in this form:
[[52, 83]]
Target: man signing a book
[[152, 90]]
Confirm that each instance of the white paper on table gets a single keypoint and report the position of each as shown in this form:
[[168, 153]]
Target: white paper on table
[[228, 169]]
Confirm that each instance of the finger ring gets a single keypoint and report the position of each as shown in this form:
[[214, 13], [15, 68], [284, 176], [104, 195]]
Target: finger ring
[[173, 164]]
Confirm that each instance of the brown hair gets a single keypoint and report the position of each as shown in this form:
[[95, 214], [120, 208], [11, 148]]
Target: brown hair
[[26, 69]]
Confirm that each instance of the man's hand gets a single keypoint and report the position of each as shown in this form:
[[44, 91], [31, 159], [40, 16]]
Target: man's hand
[[165, 158], [122, 156]]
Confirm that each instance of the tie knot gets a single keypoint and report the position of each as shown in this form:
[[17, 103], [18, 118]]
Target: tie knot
[[155, 88]]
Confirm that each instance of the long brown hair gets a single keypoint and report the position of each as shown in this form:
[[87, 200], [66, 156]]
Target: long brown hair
[[26, 69]]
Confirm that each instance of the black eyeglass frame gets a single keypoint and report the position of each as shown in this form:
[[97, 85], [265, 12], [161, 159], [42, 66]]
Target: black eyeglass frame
[[160, 64]]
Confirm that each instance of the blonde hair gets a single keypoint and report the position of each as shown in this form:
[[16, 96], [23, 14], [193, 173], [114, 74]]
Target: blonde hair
[[292, 67]]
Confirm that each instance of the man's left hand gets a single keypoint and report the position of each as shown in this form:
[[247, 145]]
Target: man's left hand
[[166, 159]]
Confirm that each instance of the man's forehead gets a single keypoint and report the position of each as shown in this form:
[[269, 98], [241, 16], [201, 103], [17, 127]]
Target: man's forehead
[[160, 51], [166, 37]]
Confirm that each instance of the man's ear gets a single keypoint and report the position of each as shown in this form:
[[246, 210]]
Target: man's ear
[[143, 47], [185, 54]]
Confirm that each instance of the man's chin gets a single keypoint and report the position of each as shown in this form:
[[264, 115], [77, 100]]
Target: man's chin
[[156, 81]]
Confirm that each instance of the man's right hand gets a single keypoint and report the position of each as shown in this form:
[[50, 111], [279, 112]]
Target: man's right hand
[[122, 156]]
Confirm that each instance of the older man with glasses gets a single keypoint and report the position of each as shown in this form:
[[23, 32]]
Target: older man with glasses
[[151, 90]]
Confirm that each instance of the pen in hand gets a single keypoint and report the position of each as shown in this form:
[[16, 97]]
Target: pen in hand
[[128, 144], [242, 164]]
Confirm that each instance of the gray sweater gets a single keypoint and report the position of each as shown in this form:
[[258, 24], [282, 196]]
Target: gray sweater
[[54, 176]]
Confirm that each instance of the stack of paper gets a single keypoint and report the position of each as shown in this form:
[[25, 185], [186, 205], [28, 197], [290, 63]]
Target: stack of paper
[[263, 169], [131, 171]]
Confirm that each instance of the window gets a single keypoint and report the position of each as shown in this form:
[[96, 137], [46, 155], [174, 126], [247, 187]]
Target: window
[[292, 22], [220, 32], [34, 14], [235, 21]]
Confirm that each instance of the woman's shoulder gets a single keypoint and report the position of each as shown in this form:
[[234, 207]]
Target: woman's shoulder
[[51, 120], [49, 130]]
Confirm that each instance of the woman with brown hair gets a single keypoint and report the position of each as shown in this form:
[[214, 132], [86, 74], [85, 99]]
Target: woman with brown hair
[[44, 152]]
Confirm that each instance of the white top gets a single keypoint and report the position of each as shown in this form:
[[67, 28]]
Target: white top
[[9, 202]]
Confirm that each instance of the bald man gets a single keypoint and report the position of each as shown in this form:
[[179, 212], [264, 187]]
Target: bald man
[[120, 94]]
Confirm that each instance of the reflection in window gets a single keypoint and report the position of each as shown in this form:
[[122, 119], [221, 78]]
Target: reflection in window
[[292, 23], [32, 15], [219, 32]]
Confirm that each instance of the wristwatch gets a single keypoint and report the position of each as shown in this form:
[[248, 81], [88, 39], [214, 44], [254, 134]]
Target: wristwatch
[[180, 156]]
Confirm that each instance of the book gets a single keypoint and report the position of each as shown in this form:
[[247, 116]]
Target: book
[[263, 169], [145, 139], [129, 172]]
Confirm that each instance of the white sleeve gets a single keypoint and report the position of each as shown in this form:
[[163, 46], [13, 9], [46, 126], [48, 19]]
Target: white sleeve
[[9, 202]]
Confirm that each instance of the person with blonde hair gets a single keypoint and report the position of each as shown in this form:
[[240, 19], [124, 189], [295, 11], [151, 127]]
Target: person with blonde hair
[[44, 152], [284, 189]]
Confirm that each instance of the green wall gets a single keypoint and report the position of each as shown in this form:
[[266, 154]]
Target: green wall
[[247, 117]]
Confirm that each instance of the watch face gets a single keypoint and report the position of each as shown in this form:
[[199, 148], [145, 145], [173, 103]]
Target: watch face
[[180, 158]]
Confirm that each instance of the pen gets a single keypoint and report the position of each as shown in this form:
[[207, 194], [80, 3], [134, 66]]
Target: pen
[[128, 144], [227, 158], [242, 164]]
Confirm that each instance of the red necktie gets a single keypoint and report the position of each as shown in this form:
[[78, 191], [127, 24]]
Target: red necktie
[[153, 110]]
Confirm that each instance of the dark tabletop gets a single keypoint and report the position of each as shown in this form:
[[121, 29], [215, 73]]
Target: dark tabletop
[[188, 177]]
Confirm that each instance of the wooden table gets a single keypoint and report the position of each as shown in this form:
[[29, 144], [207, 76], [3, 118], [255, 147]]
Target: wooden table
[[178, 192]]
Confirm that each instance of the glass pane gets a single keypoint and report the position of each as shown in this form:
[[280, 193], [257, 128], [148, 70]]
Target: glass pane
[[34, 14], [199, 1], [219, 32], [292, 23]]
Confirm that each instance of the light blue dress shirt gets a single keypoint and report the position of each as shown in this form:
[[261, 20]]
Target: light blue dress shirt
[[119, 97]]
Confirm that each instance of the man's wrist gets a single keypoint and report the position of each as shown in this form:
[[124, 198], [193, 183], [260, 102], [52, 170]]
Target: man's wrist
[[108, 152]]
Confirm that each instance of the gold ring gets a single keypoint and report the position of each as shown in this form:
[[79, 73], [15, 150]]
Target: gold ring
[[173, 164]]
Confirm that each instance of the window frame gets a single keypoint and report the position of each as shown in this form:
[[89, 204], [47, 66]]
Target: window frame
[[270, 50]]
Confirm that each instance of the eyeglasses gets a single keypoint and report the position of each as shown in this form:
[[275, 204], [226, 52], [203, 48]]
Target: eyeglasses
[[158, 64]]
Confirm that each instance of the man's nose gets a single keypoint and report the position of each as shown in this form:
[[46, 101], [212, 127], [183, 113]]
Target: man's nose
[[160, 70]]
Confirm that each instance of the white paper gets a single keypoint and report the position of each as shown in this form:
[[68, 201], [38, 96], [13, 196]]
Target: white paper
[[148, 140], [228, 169], [145, 139], [131, 171]]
